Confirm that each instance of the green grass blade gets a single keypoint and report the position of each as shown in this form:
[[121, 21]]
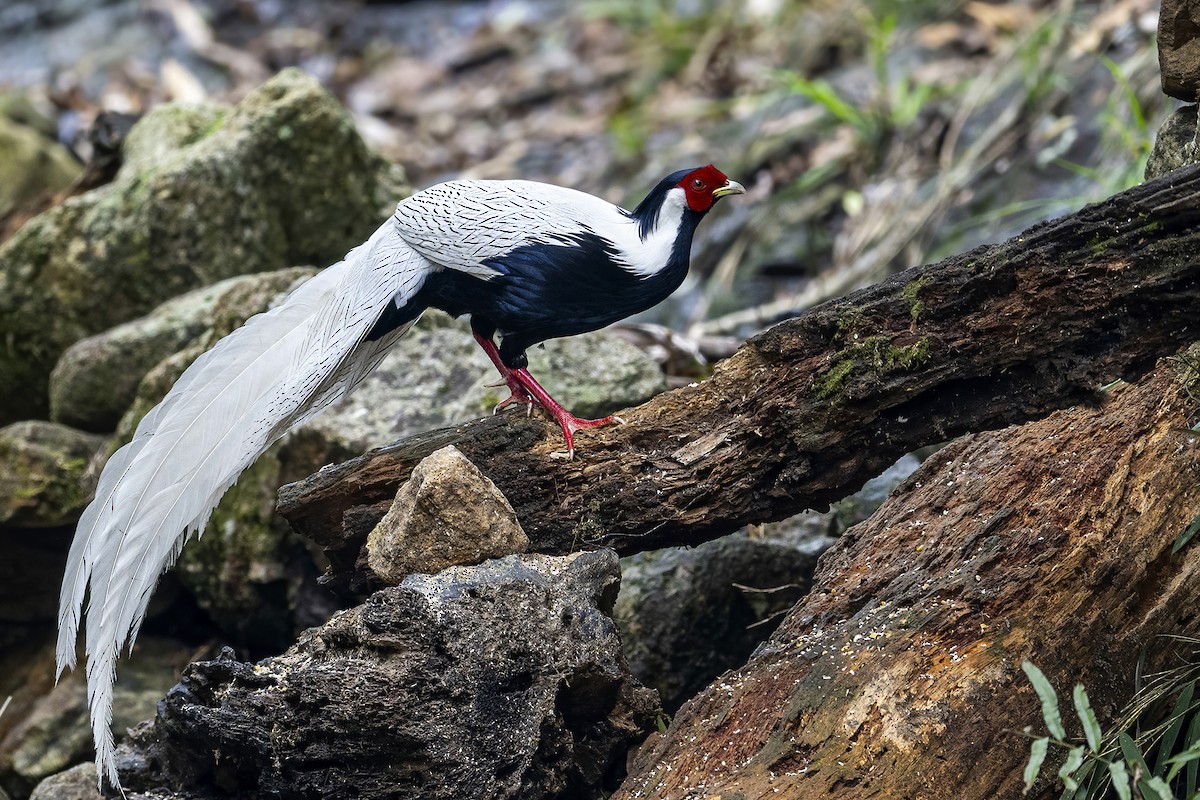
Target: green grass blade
[[1166, 748], [1091, 728], [1037, 754], [1193, 767], [1188, 533], [1049, 698]]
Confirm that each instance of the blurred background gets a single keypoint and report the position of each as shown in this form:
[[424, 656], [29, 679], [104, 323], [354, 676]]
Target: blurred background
[[872, 134]]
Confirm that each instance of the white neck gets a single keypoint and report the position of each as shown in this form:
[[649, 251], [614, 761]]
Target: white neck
[[645, 257]]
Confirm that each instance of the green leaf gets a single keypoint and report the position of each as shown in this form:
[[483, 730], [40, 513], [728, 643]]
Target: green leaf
[[1049, 698], [1091, 728], [1037, 754], [1193, 767], [1120, 780], [1066, 773], [1185, 537], [1129, 750], [1178, 713], [1187, 758], [1155, 788]]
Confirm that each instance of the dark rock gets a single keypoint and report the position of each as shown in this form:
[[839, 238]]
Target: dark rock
[[1179, 48], [689, 614], [447, 514], [1175, 144], [44, 481], [504, 680]]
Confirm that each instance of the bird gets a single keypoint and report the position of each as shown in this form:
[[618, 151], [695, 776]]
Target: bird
[[524, 261]]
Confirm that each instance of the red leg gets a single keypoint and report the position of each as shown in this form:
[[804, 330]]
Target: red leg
[[518, 391], [566, 420]]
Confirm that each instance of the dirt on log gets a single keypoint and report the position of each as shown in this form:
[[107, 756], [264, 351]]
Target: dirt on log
[[899, 676], [806, 412]]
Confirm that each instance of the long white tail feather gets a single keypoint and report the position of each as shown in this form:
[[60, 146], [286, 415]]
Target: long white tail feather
[[277, 371]]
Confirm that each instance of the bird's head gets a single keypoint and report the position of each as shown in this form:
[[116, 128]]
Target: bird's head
[[688, 190], [704, 186]]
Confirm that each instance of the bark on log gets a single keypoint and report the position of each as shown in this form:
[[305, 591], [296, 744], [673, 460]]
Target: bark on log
[[899, 676], [806, 412]]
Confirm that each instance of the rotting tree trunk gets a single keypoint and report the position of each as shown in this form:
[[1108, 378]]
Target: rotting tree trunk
[[806, 412], [899, 676]]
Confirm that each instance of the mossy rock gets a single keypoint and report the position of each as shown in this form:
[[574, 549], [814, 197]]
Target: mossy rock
[[31, 165], [205, 193], [44, 481], [96, 380]]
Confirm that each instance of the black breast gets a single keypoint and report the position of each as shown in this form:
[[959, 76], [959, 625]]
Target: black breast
[[545, 291]]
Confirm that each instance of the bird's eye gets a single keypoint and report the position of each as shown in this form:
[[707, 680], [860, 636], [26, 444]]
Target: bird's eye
[[698, 184]]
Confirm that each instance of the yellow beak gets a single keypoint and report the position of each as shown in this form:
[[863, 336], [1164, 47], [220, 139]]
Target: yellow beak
[[730, 187]]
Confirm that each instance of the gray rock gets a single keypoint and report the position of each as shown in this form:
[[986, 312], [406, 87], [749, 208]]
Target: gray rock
[[31, 165], [76, 783], [53, 730], [863, 503], [249, 574], [503, 680], [689, 614], [437, 376], [1175, 144], [45, 479], [205, 193], [447, 514], [96, 379]]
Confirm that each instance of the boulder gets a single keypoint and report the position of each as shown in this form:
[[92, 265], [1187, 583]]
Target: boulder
[[1175, 144], [205, 193], [437, 376], [447, 514], [76, 783], [46, 728], [31, 165], [503, 680], [45, 480], [689, 614], [96, 379]]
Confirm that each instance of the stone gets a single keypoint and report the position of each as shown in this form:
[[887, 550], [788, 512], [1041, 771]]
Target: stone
[[31, 165], [45, 480], [96, 380], [76, 783], [437, 376], [502, 680], [689, 614], [447, 514], [1179, 48], [52, 729], [1175, 144], [205, 193]]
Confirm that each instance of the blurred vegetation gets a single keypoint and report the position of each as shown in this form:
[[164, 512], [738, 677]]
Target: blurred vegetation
[[889, 133]]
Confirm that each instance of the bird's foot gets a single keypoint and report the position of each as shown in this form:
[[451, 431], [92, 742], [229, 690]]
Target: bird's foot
[[571, 423], [518, 394]]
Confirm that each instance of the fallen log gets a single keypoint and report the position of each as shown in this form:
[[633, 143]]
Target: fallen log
[[804, 413], [899, 675]]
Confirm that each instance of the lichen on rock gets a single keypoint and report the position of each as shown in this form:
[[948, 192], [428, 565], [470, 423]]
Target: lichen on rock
[[205, 193]]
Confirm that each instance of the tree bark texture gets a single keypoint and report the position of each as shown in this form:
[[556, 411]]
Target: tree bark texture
[[899, 675], [806, 412]]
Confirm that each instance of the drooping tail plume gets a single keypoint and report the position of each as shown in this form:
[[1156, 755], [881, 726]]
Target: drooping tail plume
[[264, 379]]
